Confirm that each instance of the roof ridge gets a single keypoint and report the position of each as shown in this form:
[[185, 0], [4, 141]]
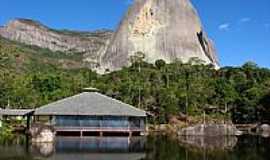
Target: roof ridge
[[21, 109], [58, 101], [89, 102], [118, 101]]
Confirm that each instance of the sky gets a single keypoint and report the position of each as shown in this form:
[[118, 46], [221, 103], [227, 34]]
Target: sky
[[239, 28]]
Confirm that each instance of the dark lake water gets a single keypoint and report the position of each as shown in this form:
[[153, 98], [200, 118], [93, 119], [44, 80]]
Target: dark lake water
[[141, 148]]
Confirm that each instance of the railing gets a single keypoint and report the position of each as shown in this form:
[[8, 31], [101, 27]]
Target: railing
[[98, 129]]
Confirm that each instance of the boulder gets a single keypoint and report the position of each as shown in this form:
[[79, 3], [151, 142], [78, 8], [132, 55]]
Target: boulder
[[210, 130], [42, 133], [264, 130]]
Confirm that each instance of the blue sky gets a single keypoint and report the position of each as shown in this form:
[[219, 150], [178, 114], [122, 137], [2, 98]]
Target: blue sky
[[239, 28]]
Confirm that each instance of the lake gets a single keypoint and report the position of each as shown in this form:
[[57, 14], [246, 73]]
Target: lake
[[141, 148]]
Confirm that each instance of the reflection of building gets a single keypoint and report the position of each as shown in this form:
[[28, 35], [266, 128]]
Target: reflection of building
[[98, 148], [91, 113], [100, 144]]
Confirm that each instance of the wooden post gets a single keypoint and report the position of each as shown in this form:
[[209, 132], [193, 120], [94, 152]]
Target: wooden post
[[101, 134], [51, 120], [129, 121], [28, 122]]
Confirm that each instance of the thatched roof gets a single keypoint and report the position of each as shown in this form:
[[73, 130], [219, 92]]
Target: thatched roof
[[90, 103]]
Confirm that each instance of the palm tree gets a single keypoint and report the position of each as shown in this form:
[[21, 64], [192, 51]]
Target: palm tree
[[137, 60]]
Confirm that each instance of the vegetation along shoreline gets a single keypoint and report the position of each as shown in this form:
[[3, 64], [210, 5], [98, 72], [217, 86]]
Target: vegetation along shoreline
[[170, 93]]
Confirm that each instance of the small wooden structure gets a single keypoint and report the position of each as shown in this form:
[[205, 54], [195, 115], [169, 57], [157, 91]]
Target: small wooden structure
[[5, 113], [91, 113]]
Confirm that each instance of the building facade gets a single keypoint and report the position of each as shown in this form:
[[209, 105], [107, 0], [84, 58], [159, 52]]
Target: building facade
[[93, 113]]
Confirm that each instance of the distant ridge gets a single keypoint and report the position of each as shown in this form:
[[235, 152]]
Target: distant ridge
[[87, 44]]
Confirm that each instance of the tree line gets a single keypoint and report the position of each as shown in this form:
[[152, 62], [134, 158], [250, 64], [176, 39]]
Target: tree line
[[164, 90]]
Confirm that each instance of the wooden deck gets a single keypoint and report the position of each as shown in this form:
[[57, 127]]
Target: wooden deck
[[101, 131], [94, 129]]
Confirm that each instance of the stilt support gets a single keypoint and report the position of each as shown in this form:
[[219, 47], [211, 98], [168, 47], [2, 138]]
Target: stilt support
[[28, 122]]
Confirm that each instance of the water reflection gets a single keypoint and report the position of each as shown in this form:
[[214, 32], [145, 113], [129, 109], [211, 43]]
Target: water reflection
[[98, 148], [42, 149], [246, 148], [142, 148], [209, 143], [12, 152]]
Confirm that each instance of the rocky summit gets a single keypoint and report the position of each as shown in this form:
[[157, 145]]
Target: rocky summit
[[161, 29]]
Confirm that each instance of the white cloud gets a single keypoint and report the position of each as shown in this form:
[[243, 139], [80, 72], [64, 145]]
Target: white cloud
[[245, 20], [224, 27]]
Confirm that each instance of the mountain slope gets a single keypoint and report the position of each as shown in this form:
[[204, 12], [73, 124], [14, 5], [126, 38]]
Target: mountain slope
[[87, 44], [20, 58]]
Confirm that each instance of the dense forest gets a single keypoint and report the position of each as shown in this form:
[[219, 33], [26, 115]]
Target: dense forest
[[239, 93]]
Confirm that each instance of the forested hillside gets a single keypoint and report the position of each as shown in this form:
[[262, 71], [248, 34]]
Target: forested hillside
[[21, 58], [31, 77], [241, 93]]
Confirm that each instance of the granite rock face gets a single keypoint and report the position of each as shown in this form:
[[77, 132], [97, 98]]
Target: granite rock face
[[88, 44], [161, 29]]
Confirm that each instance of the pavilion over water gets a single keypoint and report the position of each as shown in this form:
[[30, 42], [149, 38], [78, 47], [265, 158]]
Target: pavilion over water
[[90, 113]]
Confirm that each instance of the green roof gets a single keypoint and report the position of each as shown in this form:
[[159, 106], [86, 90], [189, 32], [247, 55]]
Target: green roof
[[90, 103]]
